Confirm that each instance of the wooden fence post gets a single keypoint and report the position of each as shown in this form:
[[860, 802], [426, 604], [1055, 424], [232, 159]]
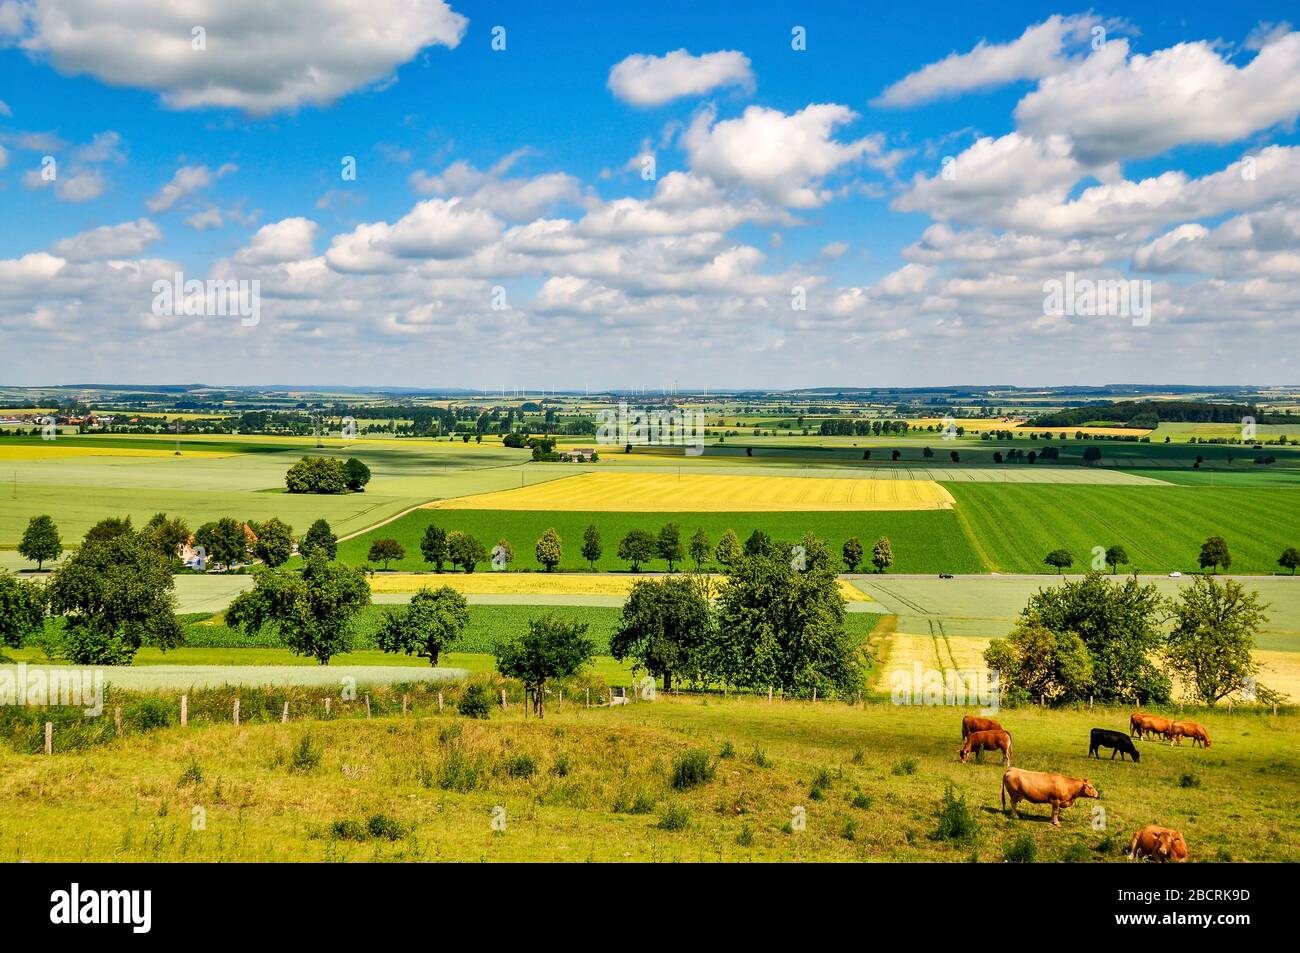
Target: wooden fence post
[[440, 702], [327, 705], [236, 712], [769, 694], [284, 715], [814, 693], [185, 710], [588, 697], [503, 699], [117, 720], [367, 704], [49, 737], [404, 700]]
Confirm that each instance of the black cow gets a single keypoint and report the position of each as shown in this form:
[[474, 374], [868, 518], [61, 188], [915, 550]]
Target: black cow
[[1120, 742]]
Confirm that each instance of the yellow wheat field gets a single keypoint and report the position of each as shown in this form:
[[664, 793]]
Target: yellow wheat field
[[673, 493], [53, 450], [538, 584]]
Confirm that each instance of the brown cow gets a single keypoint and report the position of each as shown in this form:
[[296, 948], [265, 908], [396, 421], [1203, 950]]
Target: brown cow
[[1143, 725], [1161, 844], [1189, 729], [973, 723], [1040, 787], [981, 741]]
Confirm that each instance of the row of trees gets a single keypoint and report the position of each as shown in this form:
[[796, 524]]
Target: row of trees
[[1214, 555], [1117, 642]]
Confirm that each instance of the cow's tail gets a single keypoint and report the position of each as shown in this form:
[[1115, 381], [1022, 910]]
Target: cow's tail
[[1004, 792]]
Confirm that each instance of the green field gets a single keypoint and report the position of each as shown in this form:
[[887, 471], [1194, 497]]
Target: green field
[[922, 540], [595, 784], [1162, 528]]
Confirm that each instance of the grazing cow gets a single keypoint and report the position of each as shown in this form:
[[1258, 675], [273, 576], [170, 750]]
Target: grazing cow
[[1189, 729], [1117, 740], [1040, 787], [1143, 725], [1162, 844], [973, 723], [981, 741]]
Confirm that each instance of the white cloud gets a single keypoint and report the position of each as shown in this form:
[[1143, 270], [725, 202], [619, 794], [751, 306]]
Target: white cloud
[[434, 228], [289, 239], [109, 241], [517, 199], [782, 157], [187, 180], [259, 58], [1115, 106], [1039, 51], [206, 220], [644, 80]]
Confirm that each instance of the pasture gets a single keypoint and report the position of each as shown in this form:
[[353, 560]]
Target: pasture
[[597, 785]]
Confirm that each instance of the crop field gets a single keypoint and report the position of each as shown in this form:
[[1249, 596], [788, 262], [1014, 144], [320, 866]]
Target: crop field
[[922, 539], [689, 493], [596, 785], [1162, 528]]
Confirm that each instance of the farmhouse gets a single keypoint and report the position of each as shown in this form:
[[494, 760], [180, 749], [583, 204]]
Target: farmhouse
[[578, 455]]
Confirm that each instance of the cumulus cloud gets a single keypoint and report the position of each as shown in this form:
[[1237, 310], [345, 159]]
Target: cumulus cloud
[[784, 158], [644, 80], [286, 240], [518, 199], [109, 241], [187, 180], [1040, 51], [258, 58], [1115, 106]]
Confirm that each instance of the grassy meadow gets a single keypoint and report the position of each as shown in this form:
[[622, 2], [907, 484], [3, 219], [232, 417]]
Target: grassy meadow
[[614, 784]]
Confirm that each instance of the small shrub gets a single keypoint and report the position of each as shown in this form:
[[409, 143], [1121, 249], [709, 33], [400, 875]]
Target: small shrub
[[759, 758], [521, 766], [640, 803], [1022, 850], [728, 750], [746, 837], [474, 701], [858, 757], [383, 827], [676, 818], [956, 822], [861, 801], [307, 754], [191, 775], [823, 779], [450, 732], [347, 829], [691, 769], [1189, 781], [850, 831], [561, 767], [458, 773], [905, 767], [1076, 853]]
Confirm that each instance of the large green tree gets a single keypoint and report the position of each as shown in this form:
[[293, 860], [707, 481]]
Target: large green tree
[[1034, 663], [668, 545], [552, 648], [312, 612], [320, 539], [22, 610], [385, 551], [591, 546], [40, 542], [166, 534], [784, 627], [549, 550], [274, 543], [636, 547], [465, 550], [223, 540], [115, 595], [1119, 623], [433, 546], [434, 619], [1210, 646], [665, 627], [1214, 554]]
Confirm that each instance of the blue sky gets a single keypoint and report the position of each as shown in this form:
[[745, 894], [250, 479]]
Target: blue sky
[[775, 169]]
